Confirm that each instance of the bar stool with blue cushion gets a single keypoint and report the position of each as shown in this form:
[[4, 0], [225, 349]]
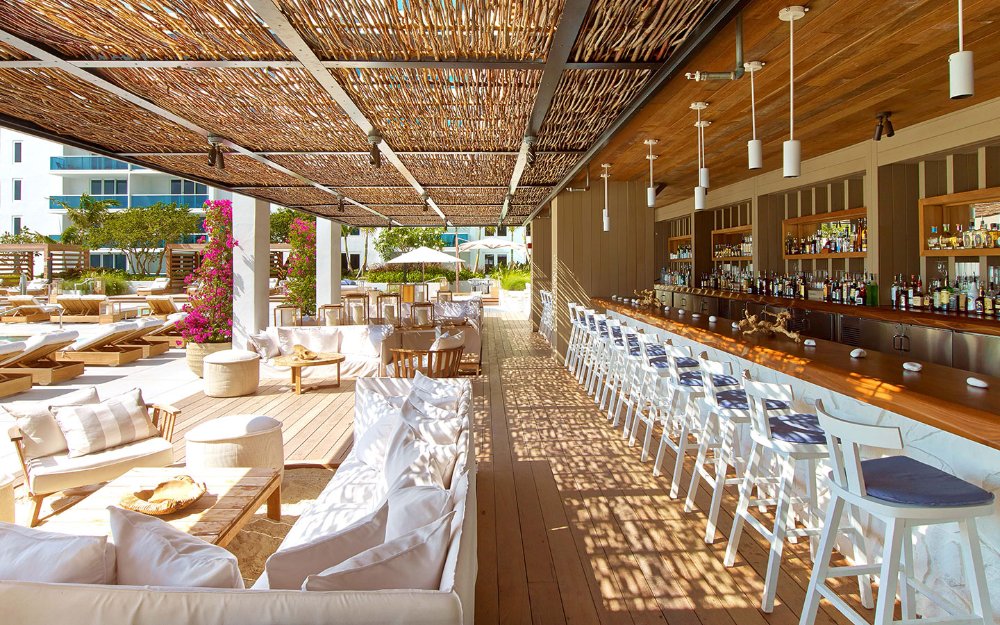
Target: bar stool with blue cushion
[[592, 350], [573, 332], [904, 493], [724, 410], [659, 366], [625, 339], [601, 358], [615, 358], [634, 396], [587, 338], [790, 431]]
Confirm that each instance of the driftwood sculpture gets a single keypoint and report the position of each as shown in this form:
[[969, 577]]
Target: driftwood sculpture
[[647, 298], [751, 324]]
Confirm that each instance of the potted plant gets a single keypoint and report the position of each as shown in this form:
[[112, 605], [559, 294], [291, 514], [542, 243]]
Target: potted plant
[[208, 326]]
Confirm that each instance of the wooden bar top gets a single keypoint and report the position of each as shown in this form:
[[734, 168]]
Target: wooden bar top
[[937, 396], [945, 321]]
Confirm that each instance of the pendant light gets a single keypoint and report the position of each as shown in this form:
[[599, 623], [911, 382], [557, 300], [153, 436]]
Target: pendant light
[[700, 191], [792, 149], [651, 189], [755, 147], [606, 217], [960, 65]]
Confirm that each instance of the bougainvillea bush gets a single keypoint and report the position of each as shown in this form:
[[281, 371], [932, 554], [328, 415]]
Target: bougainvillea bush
[[302, 265], [210, 309]]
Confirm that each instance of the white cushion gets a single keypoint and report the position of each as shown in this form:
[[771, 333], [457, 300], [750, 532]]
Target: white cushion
[[288, 568], [232, 427], [412, 506], [49, 474], [448, 340], [424, 462], [101, 336], [34, 555], [11, 347], [372, 446], [115, 421], [151, 552], [265, 345], [41, 433], [376, 407], [443, 393], [148, 322], [411, 561], [433, 424], [317, 339], [231, 355]]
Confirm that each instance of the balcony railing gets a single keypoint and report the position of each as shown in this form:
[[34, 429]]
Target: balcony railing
[[192, 200], [448, 239], [82, 163], [73, 201]]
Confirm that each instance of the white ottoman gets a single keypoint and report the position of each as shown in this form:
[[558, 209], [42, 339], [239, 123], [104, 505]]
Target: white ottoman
[[6, 498], [231, 373], [252, 441]]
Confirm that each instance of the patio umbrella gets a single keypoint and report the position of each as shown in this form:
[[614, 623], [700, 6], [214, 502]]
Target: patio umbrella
[[424, 255], [491, 243]]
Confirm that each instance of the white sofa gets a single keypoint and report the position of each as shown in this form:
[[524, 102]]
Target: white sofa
[[353, 492], [365, 348]]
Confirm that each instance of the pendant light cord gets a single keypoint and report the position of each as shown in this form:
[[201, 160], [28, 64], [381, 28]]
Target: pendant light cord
[[791, 79], [961, 29], [753, 106], [700, 151], [650, 164]]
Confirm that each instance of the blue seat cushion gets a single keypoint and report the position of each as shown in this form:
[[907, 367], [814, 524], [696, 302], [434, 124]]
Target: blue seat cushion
[[903, 480], [797, 428], [693, 378], [659, 362], [656, 350], [736, 399], [685, 362]]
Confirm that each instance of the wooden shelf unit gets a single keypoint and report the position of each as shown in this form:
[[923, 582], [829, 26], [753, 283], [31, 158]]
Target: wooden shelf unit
[[730, 236], [956, 209], [799, 227], [673, 243]]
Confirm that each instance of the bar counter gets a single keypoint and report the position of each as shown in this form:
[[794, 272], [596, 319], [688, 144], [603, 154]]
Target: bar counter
[[946, 321], [937, 396]]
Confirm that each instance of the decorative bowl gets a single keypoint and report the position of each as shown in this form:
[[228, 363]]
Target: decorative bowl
[[166, 497]]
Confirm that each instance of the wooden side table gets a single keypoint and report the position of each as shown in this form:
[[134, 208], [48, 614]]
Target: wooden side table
[[297, 364]]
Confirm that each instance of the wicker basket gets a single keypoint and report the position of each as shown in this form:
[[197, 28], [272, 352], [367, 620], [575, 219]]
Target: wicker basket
[[166, 498]]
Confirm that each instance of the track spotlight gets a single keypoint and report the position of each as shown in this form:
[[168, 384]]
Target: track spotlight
[[427, 201], [530, 156], [883, 126], [889, 130], [215, 152], [374, 154], [340, 203], [879, 126]]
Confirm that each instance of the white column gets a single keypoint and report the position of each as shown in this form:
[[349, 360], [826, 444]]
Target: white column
[[327, 261], [251, 266]]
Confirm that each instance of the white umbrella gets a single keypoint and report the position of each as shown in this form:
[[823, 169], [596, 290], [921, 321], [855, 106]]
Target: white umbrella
[[491, 243], [424, 255]]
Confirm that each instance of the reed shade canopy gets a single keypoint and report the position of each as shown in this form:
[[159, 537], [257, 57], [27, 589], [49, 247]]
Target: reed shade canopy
[[296, 89]]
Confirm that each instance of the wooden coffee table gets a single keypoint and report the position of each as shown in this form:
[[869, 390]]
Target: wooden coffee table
[[232, 498], [296, 365]]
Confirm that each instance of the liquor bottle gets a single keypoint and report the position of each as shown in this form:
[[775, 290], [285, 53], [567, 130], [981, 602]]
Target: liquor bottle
[[981, 302], [934, 241], [864, 234], [961, 298], [903, 302], [871, 291], [894, 291], [989, 303]]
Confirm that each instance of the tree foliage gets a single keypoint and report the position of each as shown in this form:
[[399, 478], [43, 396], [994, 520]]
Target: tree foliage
[[302, 266], [142, 232], [25, 236], [210, 308], [86, 221], [281, 221], [390, 243]]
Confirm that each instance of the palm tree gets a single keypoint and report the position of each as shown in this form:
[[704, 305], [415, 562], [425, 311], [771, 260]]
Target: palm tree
[[367, 231], [345, 231], [86, 220]]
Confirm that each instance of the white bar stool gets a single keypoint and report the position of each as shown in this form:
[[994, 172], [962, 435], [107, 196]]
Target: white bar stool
[[688, 388], [673, 398], [601, 357], [634, 397], [616, 360], [574, 331], [903, 493], [626, 355], [658, 367], [792, 436]]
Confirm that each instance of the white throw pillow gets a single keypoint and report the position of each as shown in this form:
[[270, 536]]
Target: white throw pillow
[[413, 505], [376, 407], [32, 555], [372, 446], [288, 569], [412, 561], [441, 393], [152, 552], [41, 433], [119, 420], [433, 424], [265, 345], [448, 340], [423, 462]]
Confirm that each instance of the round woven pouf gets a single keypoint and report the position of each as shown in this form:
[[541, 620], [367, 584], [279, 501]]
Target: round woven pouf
[[231, 373], [251, 441]]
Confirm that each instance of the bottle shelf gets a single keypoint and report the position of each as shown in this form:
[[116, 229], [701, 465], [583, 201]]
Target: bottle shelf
[[963, 252], [957, 210], [806, 227], [726, 259], [828, 255]]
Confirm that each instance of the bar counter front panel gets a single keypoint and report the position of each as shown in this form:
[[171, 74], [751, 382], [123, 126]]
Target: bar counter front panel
[[943, 421]]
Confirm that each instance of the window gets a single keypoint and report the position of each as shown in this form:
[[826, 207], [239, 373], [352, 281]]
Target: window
[[501, 260], [502, 231], [187, 187], [17, 190], [95, 187], [201, 189], [121, 187], [17, 151], [17, 226], [175, 187], [109, 187]]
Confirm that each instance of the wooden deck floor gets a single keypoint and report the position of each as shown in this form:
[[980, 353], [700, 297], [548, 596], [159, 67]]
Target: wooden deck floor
[[572, 527]]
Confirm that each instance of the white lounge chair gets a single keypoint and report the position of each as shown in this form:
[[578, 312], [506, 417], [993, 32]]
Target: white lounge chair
[[27, 309], [144, 327], [169, 332], [161, 305], [103, 347], [11, 383], [38, 359]]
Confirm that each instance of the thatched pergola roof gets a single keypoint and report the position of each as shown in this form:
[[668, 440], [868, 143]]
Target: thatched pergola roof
[[458, 93]]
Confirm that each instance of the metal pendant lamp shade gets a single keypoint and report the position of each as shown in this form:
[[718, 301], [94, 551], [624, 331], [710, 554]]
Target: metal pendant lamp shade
[[755, 154], [960, 66], [755, 147], [700, 191], [792, 150], [700, 194]]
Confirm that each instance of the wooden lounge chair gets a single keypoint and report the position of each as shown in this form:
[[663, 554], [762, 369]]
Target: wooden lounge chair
[[138, 338], [434, 363], [161, 305], [89, 309], [35, 287], [27, 309], [158, 287], [12, 383], [104, 347], [38, 359], [170, 332]]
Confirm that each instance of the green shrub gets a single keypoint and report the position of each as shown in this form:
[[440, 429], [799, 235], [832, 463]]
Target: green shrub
[[512, 278], [115, 281], [394, 273]]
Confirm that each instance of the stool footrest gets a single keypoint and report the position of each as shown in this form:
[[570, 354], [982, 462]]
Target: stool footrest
[[842, 606], [854, 570]]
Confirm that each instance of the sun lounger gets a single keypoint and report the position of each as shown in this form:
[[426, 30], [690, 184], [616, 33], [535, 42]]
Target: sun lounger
[[37, 286], [103, 347], [161, 305], [27, 309], [38, 359], [138, 338], [158, 287], [89, 309], [12, 383], [169, 332]]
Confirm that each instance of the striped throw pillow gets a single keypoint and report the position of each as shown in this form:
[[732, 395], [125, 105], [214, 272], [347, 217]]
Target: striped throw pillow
[[95, 427]]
